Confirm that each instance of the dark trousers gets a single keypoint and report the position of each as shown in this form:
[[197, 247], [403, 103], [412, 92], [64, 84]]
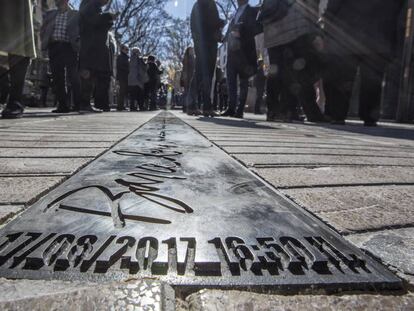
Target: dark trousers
[[235, 69], [339, 77], [123, 93], [63, 65], [294, 71], [101, 81], [18, 67], [4, 85], [136, 95], [201, 83], [259, 98], [152, 96]]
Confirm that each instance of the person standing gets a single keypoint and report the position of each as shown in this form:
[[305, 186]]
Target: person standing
[[94, 56], [206, 32], [17, 40], [292, 38], [137, 78], [358, 33], [122, 72], [187, 74], [154, 82], [241, 56], [60, 37], [260, 84]]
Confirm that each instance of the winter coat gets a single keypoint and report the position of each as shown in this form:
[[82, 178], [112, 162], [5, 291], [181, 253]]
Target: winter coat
[[154, 74], [205, 22], [248, 28], [137, 72], [362, 27], [16, 28], [122, 66], [188, 71], [300, 20], [48, 28], [94, 26]]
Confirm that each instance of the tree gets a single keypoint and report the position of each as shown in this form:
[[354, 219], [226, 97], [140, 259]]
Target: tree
[[140, 23], [177, 39]]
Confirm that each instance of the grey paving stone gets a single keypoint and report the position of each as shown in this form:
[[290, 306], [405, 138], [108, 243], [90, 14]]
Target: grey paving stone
[[25, 189], [215, 300], [302, 176], [9, 211], [38, 165], [321, 151], [59, 137], [351, 209], [395, 248], [56, 295], [54, 144], [252, 160], [55, 152]]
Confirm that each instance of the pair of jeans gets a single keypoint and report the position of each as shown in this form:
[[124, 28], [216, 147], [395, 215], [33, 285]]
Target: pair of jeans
[[63, 65]]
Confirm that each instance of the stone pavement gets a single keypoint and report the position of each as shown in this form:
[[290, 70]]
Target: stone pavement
[[358, 180]]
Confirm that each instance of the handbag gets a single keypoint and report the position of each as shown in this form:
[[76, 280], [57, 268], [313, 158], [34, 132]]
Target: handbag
[[273, 10]]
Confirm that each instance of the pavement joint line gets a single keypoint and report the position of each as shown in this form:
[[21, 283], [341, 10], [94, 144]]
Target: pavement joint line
[[12, 203], [317, 165], [378, 229], [59, 141], [47, 157], [51, 147], [33, 175], [379, 148], [380, 184], [322, 154], [302, 142]]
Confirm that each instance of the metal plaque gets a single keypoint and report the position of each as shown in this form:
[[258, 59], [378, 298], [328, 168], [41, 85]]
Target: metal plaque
[[167, 203]]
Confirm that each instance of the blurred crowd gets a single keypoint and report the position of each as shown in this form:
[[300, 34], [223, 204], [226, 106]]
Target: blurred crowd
[[306, 68]]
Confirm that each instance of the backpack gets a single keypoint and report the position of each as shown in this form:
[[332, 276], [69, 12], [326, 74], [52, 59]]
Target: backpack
[[273, 10]]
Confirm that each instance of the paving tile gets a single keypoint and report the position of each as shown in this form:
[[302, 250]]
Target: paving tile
[[9, 211], [350, 209], [331, 175], [395, 248], [215, 300], [356, 151], [50, 152], [76, 296], [25, 189], [38, 165], [324, 160]]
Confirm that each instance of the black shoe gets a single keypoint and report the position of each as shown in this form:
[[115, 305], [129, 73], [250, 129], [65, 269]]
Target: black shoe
[[89, 109], [106, 109], [370, 123], [238, 115], [61, 110], [12, 111], [228, 113], [338, 122]]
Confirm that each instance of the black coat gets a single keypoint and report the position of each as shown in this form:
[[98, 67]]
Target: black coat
[[153, 73], [94, 26], [248, 28], [205, 22], [362, 26], [122, 66]]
